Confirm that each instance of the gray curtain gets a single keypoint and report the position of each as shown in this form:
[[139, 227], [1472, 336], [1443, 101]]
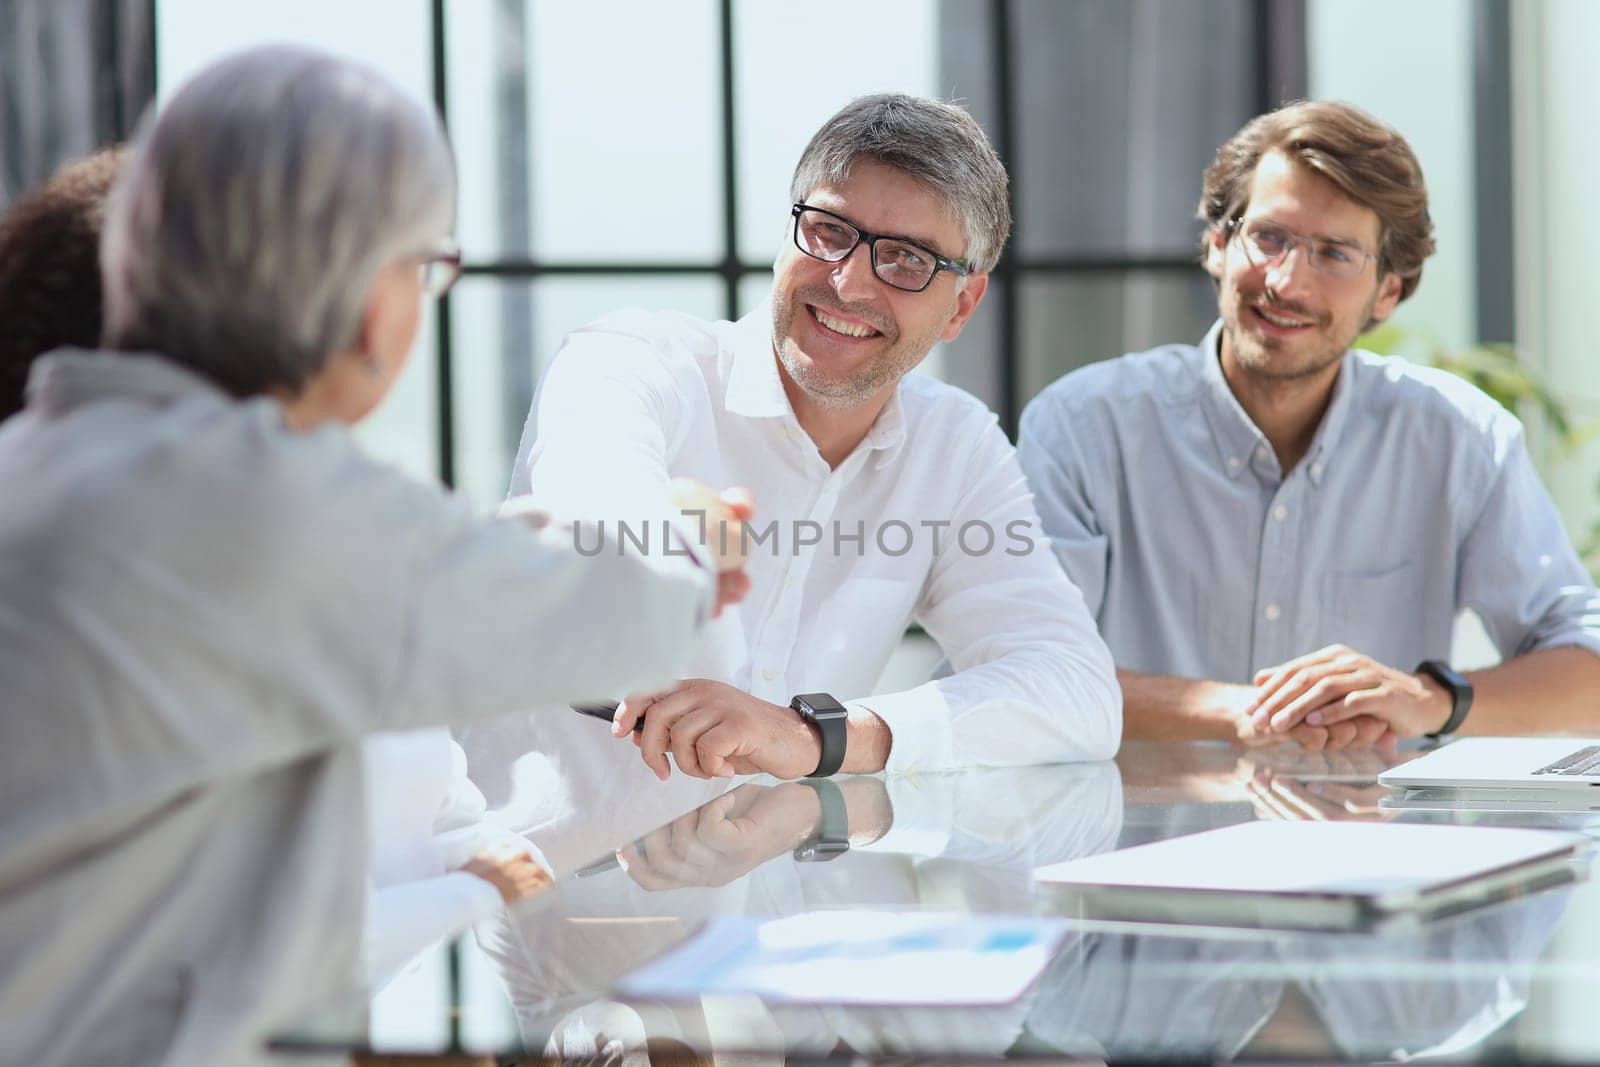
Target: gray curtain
[[1117, 108], [74, 75]]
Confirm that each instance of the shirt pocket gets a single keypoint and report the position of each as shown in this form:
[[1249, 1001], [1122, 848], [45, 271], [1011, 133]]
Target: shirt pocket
[[1374, 610]]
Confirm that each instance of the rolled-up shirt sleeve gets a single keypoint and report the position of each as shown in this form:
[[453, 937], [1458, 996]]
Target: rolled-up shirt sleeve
[[1033, 681], [1518, 570]]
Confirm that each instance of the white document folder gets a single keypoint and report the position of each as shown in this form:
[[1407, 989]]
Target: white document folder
[[1316, 875], [856, 957]]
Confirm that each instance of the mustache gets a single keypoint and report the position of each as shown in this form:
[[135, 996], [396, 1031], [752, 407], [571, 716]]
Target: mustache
[[824, 298], [1283, 307]]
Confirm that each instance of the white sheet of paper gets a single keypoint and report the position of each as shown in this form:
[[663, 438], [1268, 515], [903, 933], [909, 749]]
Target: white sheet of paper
[[1314, 857], [856, 957]]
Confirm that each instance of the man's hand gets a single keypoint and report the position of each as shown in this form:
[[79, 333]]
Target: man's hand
[[713, 730], [724, 839], [1234, 703], [515, 874], [1165, 708], [1336, 685], [718, 519]]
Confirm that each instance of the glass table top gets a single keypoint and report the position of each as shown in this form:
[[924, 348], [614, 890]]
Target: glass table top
[[1514, 980]]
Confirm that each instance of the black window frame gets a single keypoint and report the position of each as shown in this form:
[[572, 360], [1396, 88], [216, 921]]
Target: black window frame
[[1279, 75]]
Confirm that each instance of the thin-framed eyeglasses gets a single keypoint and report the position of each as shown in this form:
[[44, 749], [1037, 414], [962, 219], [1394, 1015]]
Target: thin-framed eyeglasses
[[439, 269], [903, 264], [1265, 242]]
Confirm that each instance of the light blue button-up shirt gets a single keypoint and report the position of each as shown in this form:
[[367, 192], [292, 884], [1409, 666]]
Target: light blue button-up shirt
[[1200, 558]]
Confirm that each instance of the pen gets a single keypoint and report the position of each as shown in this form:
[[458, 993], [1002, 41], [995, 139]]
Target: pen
[[606, 711]]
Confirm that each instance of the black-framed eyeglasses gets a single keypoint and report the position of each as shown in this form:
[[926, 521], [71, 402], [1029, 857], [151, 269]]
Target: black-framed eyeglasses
[[831, 238], [1265, 242], [439, 269]]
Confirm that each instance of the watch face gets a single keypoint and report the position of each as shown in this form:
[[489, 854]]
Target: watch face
[[821, 704], [820, 851]]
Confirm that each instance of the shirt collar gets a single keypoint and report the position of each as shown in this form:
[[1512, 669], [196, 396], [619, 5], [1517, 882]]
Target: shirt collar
[[69, 378], [1237, 437], [755, 389]]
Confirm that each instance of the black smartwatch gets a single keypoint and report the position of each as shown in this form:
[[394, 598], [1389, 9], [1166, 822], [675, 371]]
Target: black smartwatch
[[828, 716], [831, 839], [1455, 683]]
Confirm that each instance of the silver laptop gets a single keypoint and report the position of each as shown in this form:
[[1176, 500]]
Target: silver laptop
[[1313, 875], [1495, 799], [1511, 762]]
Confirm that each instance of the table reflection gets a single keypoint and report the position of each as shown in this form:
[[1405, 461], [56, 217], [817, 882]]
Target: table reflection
[[1512, 981], [959, 842], [1441, 989]]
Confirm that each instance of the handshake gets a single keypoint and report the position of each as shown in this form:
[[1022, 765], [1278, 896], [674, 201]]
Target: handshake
[[718, 521]]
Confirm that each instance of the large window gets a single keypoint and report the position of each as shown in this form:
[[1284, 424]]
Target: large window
[[629, 153]]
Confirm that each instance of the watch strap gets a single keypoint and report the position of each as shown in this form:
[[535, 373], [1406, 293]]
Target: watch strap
[[833, 828], [830, 724], [1460, 690], [831, 837]]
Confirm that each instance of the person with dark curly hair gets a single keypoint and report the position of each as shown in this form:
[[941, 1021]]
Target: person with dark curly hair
[[50, 269]]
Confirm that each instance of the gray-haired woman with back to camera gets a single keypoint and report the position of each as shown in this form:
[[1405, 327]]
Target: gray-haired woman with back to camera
[[208, 594]]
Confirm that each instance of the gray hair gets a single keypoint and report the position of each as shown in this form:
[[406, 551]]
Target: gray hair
[[257, 209], [938, 144]]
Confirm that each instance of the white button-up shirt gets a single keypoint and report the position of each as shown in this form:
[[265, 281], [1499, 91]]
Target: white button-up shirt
[[929, 518]]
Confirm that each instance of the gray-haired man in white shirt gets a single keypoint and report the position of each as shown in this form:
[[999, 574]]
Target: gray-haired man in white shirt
[[885, 497]]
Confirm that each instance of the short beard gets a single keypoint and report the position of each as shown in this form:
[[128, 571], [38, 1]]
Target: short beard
[[837, 394], [885, 369], [1264, 371]]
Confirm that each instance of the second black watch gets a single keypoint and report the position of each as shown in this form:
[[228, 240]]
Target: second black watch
[[1455, 683], [831, 838], [828, 715]]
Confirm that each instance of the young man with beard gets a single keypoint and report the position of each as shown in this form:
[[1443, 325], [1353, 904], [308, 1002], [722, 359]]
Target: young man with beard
[[885, 497], [1276, 530]]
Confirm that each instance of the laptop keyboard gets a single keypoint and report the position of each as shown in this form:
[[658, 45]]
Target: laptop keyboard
[[1583, 761]]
